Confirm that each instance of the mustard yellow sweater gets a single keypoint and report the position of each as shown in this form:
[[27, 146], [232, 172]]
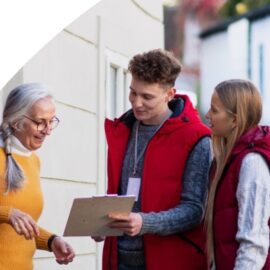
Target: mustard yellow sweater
[[16, 252]]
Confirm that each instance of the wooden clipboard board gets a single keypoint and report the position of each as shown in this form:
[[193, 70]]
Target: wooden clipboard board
[[89, 216]]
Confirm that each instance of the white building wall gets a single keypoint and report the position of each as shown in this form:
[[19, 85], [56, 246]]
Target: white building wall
[[224, 56], [261, 64], [227, 55], [74, 64], [238, 49], [192, 29], [214, 66]]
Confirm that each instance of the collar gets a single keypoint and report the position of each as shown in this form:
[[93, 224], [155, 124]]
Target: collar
[[258, 136], [17, 147]]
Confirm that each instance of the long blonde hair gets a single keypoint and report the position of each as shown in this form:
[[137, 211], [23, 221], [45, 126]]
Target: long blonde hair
[[241, 99]]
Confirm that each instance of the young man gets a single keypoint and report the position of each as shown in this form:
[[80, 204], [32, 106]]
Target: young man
[[161, 151]]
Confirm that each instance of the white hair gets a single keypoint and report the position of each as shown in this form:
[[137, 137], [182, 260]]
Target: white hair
[[19, 102]]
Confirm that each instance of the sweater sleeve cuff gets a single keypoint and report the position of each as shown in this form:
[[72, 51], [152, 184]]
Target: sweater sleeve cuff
[[4, 214], [42, 239], [148, 223]]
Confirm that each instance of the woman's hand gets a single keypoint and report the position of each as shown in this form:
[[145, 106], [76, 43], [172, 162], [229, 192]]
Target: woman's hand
[[63, 252], [98, 238], [130, 225], [23, 224]]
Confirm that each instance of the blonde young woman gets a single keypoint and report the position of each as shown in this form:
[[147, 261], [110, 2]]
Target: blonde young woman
[[239, 199]]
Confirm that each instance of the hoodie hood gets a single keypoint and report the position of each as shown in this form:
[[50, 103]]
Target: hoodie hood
[[257, 138], [181, 107]]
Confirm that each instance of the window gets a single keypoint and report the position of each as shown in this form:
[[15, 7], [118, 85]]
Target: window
[[117, 84], [112, 90], [261, 68]]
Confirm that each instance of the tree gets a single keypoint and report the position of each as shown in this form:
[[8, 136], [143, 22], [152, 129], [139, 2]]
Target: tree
[[237, 7]]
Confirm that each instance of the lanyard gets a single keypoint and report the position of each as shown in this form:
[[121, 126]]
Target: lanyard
[[136, 156]]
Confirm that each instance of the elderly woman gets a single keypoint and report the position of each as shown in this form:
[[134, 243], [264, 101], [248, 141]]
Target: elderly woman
[[28, 117]]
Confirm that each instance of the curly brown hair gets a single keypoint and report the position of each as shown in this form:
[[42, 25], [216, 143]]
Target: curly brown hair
[[155, 66]]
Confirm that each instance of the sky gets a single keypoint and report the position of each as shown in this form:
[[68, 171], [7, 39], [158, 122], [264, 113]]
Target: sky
[[26, 26]]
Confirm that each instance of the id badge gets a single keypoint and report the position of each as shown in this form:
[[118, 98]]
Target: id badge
[[133, 188]]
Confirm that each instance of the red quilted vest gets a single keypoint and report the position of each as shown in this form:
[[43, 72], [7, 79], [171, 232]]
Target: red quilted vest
[[226, 207], [164, 163]]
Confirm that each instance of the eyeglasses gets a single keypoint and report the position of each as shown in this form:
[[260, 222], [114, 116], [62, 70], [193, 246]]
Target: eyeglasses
[[41, 125]]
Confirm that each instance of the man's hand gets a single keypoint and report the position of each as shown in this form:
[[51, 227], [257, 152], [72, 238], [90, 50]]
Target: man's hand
[[130, 225]]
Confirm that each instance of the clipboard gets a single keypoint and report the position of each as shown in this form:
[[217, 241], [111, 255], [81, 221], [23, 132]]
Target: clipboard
[[89, 216]]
